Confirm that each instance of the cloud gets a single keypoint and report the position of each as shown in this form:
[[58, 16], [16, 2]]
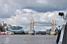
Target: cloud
[[52, 2], [8, 7], [42, 1], [25, 16], [22, 16]]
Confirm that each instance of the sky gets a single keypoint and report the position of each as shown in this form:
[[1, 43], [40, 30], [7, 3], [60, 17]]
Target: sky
[[8, 7], [13, 10], [26, 16]]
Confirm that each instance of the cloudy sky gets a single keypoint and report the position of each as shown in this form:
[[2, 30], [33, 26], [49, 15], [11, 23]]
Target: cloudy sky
[[8, 7]]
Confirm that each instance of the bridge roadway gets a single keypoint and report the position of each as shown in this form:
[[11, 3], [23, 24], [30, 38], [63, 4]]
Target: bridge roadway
[[27, 39]]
